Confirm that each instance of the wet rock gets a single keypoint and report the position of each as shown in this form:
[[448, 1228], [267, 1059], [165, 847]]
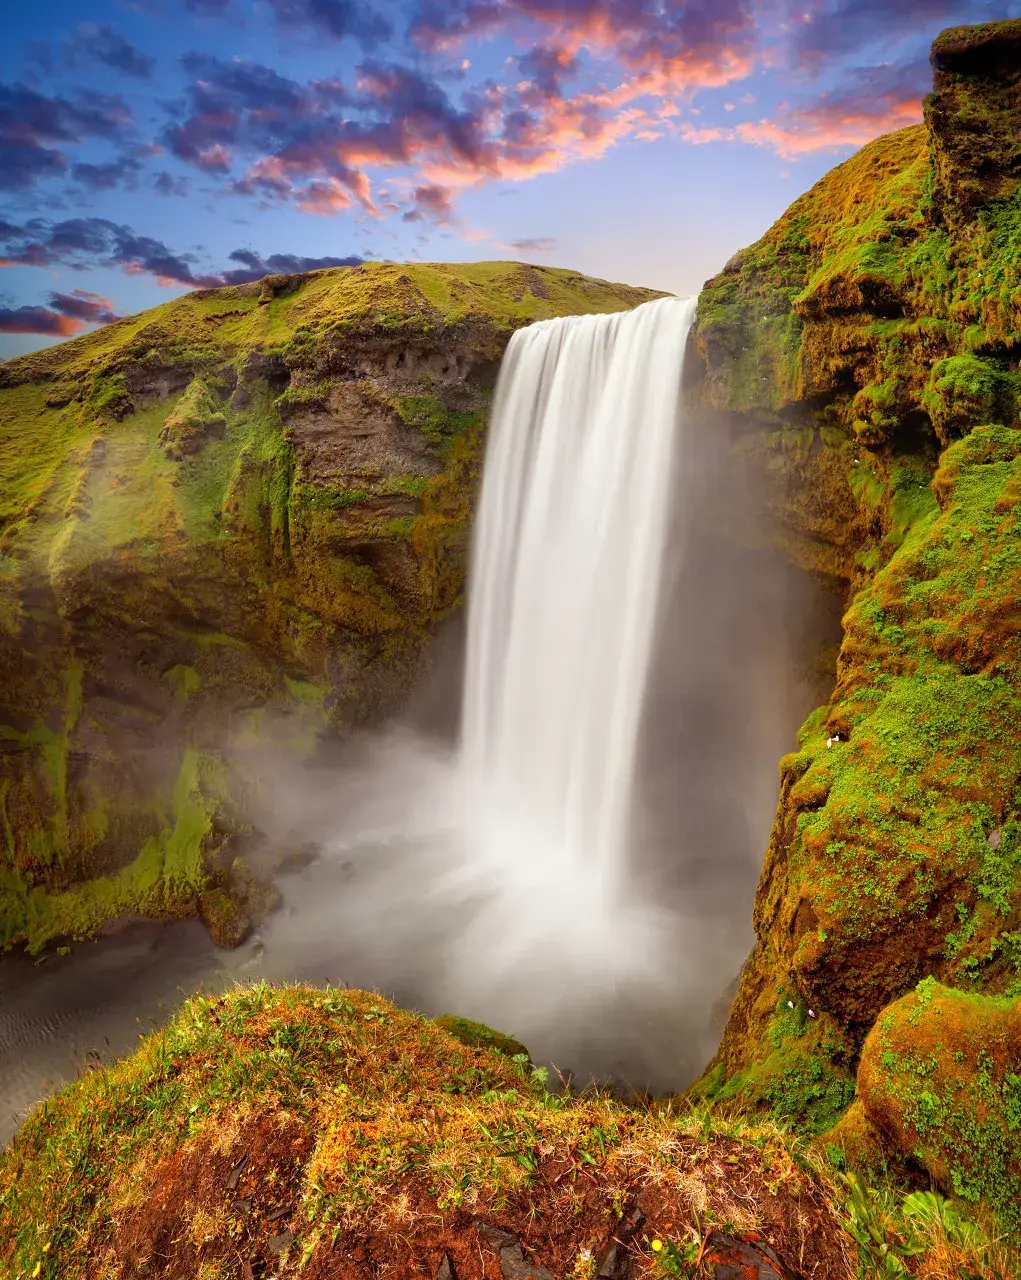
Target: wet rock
[[228, 922], [513, 1265], [731, 1258], [616, 1263], [447, 1269], [235, 1173]]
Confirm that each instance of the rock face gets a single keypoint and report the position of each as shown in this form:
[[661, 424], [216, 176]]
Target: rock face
[[231, 520], [866, 351]]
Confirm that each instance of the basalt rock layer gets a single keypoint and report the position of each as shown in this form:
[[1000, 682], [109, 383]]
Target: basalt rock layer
[[867, 352], [230, 521]]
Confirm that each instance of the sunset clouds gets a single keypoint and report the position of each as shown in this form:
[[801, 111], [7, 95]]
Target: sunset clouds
[[383, 118]]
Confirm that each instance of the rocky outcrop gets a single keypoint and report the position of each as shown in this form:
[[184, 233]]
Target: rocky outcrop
[[326, 1133], [866, 352], [230, 522]]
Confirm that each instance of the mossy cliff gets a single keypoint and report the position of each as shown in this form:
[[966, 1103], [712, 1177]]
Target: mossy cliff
[[229, 521], [867, 352]]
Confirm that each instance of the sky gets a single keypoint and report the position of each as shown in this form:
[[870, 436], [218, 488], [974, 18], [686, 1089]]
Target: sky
[[149, 147]]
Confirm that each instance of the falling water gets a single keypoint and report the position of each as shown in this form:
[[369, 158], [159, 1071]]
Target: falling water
[[565, 584]]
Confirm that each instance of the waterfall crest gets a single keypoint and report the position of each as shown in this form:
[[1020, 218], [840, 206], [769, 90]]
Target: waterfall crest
[[566, 574]]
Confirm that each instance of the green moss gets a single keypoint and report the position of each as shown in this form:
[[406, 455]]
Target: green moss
[[962, 391], [897, 278], [476, 1035], [938, 1073], [437, 423]]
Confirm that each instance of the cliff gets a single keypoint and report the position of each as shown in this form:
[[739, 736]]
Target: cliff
[[867, 351], [229, 521]]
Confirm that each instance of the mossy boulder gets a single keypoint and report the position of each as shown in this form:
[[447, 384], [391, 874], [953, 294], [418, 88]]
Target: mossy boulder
[[964, 390], [940, 1078], [230, 522]]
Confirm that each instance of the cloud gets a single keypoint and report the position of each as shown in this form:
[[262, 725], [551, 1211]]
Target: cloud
[[675, 46], [245, 106], [105, 177], [835, 28], [166, 184], [91, 308], [254, 268], [320, 145], [336, 19], [80, 243], [31, 122], [84, 242], [430, 202], [538, 244], [868, 102], [100, 42], [545, 68], [38, 320]]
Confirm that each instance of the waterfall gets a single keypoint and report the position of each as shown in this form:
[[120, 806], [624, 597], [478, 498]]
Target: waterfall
[[564, 589], [504, 877]]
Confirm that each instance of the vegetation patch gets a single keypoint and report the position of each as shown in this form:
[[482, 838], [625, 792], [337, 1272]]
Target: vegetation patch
[[940, 1076]]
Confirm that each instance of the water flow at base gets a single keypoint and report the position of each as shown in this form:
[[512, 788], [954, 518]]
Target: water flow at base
[[501, 881]]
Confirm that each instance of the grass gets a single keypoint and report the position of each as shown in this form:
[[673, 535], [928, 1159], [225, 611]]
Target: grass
[[352, 1124]]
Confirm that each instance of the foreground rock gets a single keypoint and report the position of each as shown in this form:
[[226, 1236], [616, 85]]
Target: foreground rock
[[940, 1080], [227, 524], [326, 1133]]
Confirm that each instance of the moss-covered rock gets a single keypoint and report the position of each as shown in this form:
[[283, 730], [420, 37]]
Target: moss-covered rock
[[940, 1078], [286, 1128], [233, 519], [476, 1035], [194, 421], [866, 352]]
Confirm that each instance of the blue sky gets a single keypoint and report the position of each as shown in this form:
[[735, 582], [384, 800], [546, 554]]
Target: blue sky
[[152, 146]]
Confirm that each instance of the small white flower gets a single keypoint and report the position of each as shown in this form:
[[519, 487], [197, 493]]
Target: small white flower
[[790, 1004], [811, 1013]]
